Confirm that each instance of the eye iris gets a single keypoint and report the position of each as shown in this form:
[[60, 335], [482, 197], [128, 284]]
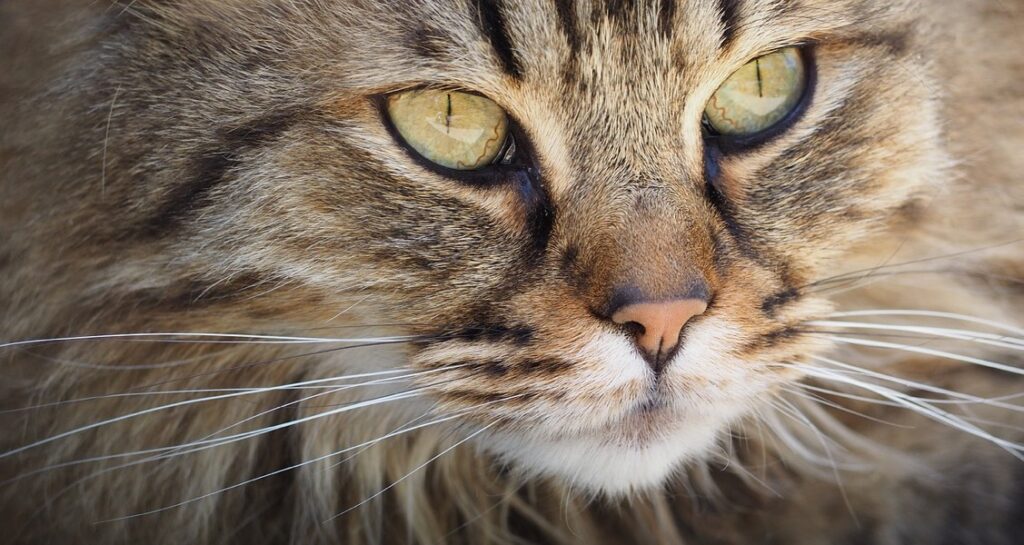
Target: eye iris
[[455, 130], [758, 95]]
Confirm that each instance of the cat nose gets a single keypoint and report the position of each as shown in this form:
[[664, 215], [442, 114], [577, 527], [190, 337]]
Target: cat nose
[[658, 325]]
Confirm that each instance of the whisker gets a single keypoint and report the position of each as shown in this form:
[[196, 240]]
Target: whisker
[[409, 474], [124, 366], [276, 360], [171, 406], [928, 314], [860, 273], [814, 398], [278, 471], [920, 407], [155, 393], [305, 463], [882, 275], [922, 338], [824, 440], [376, 382], [251, 389], [212, 443], [847, 395], [794, 413], [964, 398], [928, 351], [209, 442], [407, 424], [991, 339], [205, 338]]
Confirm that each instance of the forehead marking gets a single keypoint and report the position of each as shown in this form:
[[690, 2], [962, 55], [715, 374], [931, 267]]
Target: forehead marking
[[729, 11], [491, 21]]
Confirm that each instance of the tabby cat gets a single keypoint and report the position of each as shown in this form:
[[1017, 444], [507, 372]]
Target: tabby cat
[[512, 271]]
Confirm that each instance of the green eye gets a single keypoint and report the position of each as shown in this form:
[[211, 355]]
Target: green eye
[[759, 95], [456, 130]]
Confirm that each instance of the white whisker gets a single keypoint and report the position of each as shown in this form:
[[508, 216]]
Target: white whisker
[[409, 474], [125, 366], [250, 389], [929, 314], [813, 398], [177, 404], [965, 398], [958, 334], [920, 407], [363, 445], [282, 470], [197, 446], [823, 439], [847, 395], [928, 351], [211, 338]]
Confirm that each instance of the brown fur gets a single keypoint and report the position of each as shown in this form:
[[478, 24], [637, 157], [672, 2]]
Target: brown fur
[[222, 167]]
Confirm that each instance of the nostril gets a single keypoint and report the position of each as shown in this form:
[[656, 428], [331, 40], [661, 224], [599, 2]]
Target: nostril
[[634, 328], [656, 326]]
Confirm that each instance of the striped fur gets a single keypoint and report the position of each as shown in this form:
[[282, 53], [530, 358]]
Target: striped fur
[[222, 166]]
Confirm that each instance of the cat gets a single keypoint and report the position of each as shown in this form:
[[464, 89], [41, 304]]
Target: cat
[[496, 272]]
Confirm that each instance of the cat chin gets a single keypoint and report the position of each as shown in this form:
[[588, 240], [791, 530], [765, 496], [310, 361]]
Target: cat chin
[[607, 465]]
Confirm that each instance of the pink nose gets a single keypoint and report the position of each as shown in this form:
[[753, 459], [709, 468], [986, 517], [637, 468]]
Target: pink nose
[[661, 323]]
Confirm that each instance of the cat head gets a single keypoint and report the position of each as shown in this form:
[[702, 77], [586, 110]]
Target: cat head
[[615, 279]]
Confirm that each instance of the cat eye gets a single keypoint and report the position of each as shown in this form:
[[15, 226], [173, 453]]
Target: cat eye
[[453, 129], [759, 96]]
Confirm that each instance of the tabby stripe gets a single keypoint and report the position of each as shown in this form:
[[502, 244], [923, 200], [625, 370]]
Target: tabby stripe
[[620, 10], [666, 17], [772, 303], [771, 339], [567, 25], [895, 43], [745, 239], [729, 12], [491, 22], [428, 42], [211, 167]]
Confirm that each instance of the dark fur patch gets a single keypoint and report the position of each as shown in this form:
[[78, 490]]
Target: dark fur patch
[[620, 11], [491, 21], [195, 294], [428, 42], [772, 339], [519, 335], [511, 367], [540, 213], [742, 237], [571, 270], [666, 17], [772, 303], [212, 167], [895, 43], [729, 13], [567, 25]]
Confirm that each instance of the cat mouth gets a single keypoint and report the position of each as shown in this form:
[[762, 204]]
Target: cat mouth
[[648, 420], [651, 406]]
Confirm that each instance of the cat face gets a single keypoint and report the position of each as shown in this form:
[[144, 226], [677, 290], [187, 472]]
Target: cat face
[[513, 275]]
